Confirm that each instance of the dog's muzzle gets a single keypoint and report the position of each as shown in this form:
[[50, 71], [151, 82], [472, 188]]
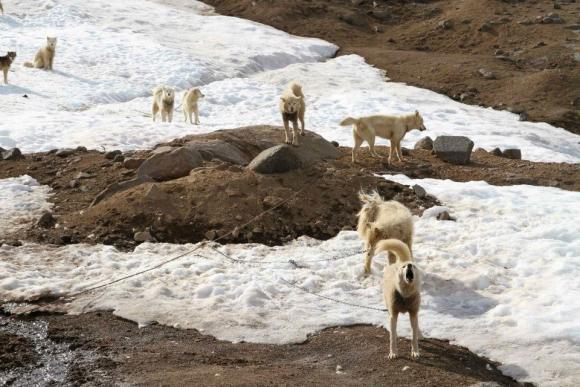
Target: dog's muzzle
[[422, 128], [409, 275]]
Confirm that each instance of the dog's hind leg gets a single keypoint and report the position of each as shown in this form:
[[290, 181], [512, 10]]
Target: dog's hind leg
[[391, 152], [398, 150], [369, 258], [357, 143], [154, 110], [393, 335], [414, 317]]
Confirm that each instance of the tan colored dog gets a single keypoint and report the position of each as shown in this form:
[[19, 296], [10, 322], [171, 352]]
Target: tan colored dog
[[45, 56], [190, 98], [292, 108], [402, 292], [378, 220], [1, 8], [163, 102], [392, 128], [6, 62]]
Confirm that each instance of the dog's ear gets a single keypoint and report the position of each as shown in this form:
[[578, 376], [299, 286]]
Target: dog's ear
[[282, 99]]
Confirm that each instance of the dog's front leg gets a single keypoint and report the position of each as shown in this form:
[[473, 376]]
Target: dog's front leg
[[393, 335], [197, 117], [170, 115], [5, 70], [286, 131], [414, 317], [369, 258], [390, 153], [295, 133]]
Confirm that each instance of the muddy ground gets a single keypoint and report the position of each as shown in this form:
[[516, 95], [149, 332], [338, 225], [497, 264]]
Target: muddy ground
[[103, 350], [441, 45]]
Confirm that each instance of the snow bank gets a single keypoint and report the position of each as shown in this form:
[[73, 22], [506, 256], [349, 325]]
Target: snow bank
[[22, 200], [502, 280]]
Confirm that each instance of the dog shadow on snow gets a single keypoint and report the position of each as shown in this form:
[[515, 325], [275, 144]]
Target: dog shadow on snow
[[452, 297]]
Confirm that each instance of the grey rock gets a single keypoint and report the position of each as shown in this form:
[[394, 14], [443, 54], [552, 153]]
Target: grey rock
[[278, 159], [133, 162], [487, 74], [419, 191], [112, 154], [143, 236], [170, 165], [453, 149], [354, 20], [12, 154], [382, 15], [83, 175], [445, 216], [46, 220], [211, 235], [424, 143], [335, 144], [444, 24], [512, 153], [66, 152], [74, 183], [81, 149], [119, 159], [496, 152], [219, 149]]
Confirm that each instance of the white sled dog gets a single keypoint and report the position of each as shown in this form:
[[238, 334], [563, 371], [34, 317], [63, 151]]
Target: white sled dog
[[402, 292], [45, 56], [190, 99], [378, 220], [292, 108], [163, 101], [392, 128]]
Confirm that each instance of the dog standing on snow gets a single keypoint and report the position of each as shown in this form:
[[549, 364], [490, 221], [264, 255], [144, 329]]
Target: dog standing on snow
[[163, 101], [190, 98], [6, 62], [45, 56], [402, 292], [378, 220], [392, 128], [292, 108], [1, 8]]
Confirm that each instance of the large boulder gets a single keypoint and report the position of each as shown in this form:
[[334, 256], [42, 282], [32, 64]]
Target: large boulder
[[219, 149], [171, 164], [453, 149], [11, 154], [278, 159], [512, 153]]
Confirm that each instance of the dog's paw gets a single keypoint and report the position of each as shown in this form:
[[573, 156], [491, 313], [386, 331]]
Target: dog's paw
[[392, 356], [302, 134], [415, 355]]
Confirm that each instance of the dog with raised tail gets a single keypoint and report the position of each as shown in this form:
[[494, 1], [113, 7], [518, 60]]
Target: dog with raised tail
[[45, 56], [292, 108], [402, 292], [390, 127], [379, 219], [163, 102]]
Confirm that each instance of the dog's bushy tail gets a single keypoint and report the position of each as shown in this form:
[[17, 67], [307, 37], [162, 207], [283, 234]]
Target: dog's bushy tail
[[370, 204], [400, 249], [296, 89], [349, 121], [28, 64]]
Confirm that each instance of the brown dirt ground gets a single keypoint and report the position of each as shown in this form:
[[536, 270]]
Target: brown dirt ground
[[216, 198], [159, 355], [15, 351], [537, 74]]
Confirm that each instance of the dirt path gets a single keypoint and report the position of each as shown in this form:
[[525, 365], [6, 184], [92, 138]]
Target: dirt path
[[105, 349], [442, 45]]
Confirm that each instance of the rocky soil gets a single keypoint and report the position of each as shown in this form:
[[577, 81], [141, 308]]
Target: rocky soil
[[520, 55]]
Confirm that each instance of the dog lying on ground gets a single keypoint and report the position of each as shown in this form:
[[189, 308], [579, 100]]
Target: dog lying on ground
[[402, 292], [292, 108], [6, 62], [163, 101], [190, 98], [379, 219], [45, 56], [392, 128]]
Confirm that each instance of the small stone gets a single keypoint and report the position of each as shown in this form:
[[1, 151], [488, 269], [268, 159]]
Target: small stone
[[486, 27], [12, 154], [119, 159], [487, 74], [444, 216], [46, 220], [444, 24], [81, 149], [74, 183], [424, 143], [523, 116], [64, 152], [405, 151], [211, 235], [11, 242], [419, 191], [143, 236], [133, 162], [335, 143], [513, 153], [83, 175], [112, 154], [272, 201], [496, 152]]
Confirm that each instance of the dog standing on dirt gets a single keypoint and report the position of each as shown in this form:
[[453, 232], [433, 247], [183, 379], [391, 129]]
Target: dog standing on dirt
[[45, 56], [402, 292], [190, 99], [292, 108], [163, 102], [6, 62], [392, 128], [378, 220]]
